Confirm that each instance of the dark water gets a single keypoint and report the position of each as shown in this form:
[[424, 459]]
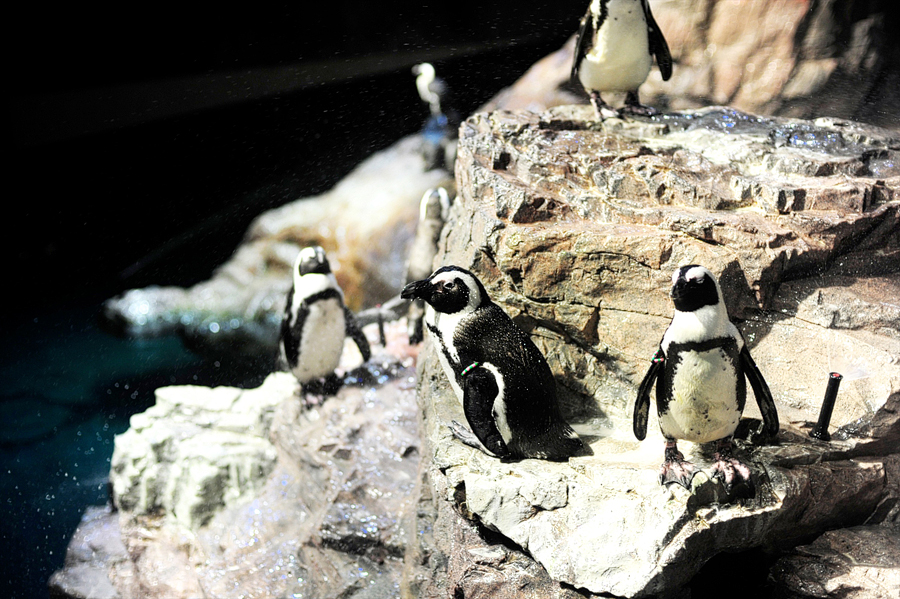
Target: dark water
[[68, 389]]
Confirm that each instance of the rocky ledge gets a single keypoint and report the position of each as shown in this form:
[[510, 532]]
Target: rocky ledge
[[575, 227]]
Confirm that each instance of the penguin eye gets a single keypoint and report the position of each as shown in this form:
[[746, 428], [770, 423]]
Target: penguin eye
[[448, 285]]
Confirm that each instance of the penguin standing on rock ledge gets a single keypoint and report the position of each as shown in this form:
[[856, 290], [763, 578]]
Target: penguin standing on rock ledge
[[505, 385], [614, 49], [315, 323], [699, 374]]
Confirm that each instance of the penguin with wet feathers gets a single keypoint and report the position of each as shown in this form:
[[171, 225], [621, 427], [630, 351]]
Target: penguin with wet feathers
[[315, 324], [699, 372], [507, 390], [614, 50]]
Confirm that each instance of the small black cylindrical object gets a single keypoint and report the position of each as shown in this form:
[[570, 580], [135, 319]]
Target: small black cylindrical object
[[381, 337], [820, 431]]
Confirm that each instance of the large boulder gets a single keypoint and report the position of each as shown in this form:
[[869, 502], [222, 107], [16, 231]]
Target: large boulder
[[575, 227]]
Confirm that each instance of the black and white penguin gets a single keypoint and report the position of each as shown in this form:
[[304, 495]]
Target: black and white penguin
[[315, 324], [699, 374], [614, 49], [507, 390], [434, 210], [432, 89]]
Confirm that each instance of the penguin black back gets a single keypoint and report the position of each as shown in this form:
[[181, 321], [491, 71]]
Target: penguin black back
[[506, 386]]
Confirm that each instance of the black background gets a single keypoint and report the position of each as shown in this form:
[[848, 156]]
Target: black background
[[112, 189]]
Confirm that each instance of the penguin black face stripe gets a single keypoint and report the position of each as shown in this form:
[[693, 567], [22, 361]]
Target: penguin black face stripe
[[449, 290], [693, 288]]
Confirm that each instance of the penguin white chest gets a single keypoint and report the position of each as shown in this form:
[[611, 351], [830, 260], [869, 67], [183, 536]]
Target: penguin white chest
[[322, 340], [445, 326], [619, 59], [704, 403]]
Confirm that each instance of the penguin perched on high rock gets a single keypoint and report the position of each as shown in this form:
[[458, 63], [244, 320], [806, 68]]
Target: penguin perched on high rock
[[699, 373], [614, 49], [507, 390], [434, 210], [440, 130], [432, 89], [315, 323]]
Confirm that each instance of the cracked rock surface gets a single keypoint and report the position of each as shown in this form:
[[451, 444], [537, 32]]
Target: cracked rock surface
[[575, 227]]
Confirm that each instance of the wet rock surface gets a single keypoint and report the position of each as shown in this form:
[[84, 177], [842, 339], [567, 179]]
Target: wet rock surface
[[323, 518], [851, 562]]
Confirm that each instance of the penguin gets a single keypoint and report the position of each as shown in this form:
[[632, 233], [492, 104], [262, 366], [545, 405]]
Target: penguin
[[434, 210], [315, 324], [440, 130], [507, 390], [699, 372], [432, 89], [614, 49]]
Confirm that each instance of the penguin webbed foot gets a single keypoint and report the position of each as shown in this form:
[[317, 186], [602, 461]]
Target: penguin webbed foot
[[729, 470], [634, 107], [675, 469], [604, 111], [314, 392]]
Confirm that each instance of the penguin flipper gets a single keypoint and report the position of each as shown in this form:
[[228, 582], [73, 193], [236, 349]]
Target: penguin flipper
[[479, 391], [658, 45], [763, 396], [582, 42], [642, 403], [352, 330]]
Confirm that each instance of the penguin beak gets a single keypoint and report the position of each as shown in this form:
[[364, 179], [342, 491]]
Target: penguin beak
[[417, 290]]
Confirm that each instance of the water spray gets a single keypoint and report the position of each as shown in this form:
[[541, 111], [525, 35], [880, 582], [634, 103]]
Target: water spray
[[820, 431]]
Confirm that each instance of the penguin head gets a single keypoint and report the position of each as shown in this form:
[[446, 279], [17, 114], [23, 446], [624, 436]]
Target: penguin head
[[451, 290], [435, 205], [694, 287], [425, 69], [311, 260]]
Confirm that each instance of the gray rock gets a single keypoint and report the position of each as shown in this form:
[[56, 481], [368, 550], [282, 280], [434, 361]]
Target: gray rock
[[197, 450], [860, 563], [96, 545], [575, 228], [233, 493]]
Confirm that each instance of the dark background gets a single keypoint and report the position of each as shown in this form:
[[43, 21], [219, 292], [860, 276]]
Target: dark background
[[145, 139]]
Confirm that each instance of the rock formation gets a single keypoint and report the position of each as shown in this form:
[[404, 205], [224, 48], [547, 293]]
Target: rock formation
[[575, 228]]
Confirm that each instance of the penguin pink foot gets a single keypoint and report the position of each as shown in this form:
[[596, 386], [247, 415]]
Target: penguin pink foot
[[603, 110], [729, 469], [633, 106], [675, 468]]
